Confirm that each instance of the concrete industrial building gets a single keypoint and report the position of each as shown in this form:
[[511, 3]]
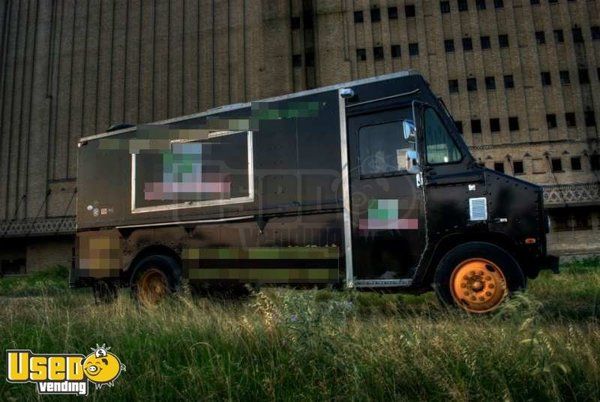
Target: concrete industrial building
[[522, 78]]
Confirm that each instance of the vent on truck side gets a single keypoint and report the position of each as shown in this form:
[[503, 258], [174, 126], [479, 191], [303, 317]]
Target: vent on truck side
[[478, 209]]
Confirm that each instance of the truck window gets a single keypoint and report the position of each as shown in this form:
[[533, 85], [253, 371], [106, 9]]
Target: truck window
[[440, 146], [382, 148]]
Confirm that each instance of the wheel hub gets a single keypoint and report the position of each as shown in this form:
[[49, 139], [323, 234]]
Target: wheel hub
[[478, 285]]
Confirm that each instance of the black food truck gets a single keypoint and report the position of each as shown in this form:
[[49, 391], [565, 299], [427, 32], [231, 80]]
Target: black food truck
[[366, 184]]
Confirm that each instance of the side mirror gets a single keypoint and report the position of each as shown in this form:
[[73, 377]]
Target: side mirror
[[412, 162], [409, 129]]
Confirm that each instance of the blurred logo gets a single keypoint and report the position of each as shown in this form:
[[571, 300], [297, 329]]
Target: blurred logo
[[66, 373]]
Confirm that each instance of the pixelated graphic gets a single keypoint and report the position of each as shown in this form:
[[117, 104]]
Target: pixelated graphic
[[383, 215], [100, 253], [272, 264]]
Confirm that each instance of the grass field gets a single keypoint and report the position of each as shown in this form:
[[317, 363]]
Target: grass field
[[315, 345]]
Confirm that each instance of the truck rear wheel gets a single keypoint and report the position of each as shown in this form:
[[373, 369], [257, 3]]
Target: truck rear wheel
[[477, 277], [155, 278]]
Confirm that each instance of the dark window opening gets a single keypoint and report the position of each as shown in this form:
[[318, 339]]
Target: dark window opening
[[490, 83], [559, 36], [467, 44], [396, 51], [576, 163], [309, 59], [410, 10], [445, 7], [393, 13], [471, 84], [378, 53], [463, 5], [595, 162], [495, 125], [498, 3], [361, 54], [513, 123], [509, 81], [557, 165], [534, 2], [295, 23], [358, 17], [595, 32], [570, 119], [459, 125], [577, 35], [476, 126], [449, 45], [375, 15], [518, 167], [499, 167], [546, 78], [584, 76], [565, 78], [551, 120], [485, 42], [540, 37], [453, 86], [297, 60], [590, 119], [413, 49], [481, 4], [582, 221], [503, 40]]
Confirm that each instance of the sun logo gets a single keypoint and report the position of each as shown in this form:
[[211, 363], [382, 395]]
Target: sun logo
[[102, 367]]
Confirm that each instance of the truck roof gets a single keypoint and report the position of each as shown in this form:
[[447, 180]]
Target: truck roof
[[235, 106]]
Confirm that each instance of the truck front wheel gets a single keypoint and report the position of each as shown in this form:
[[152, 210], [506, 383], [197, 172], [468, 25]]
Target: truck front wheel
[[477, 277], [155, 277]]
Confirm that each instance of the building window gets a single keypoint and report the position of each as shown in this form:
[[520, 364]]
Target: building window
[[576, 163], [358, 17], [295, 23], [584, 76], [309, 59], [393, 13], [546, 78], [499, 167], [503, 40], [378, 53], [494, 125], [553, 1], [467, 44], [481, 4], [561, 222], [459, 126], [490, 83], [396, 51], [453, 86], [410, 10], [540, 37], [577, 35], [471, 84], [485, 42], [551, 120], [375, 15], [463, 5], [596, 32], [445, 7], [449, 45], [513, 123], [570, 119], [297, 60], [413, 49], [582, 220], [361, 54], [565, 78], [556, 165], [499, 3], [559, 36], [590, 119], [518, 167], [476, 126], [509, 81], [595, 162], [534, 2]]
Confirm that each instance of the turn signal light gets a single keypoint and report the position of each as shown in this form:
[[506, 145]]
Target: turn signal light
[[530, 240]]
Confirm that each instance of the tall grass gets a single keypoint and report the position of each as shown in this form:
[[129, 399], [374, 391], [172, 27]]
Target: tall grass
[[282, 344]]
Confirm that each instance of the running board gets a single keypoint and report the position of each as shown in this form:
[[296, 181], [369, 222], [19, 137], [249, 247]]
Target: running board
[[382, 283]]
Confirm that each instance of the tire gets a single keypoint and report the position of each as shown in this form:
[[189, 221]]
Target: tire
[[154, 279], [477, 277]]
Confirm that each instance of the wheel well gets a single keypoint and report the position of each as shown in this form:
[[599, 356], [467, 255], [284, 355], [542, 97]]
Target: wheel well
[[449, 242], [148, 251]]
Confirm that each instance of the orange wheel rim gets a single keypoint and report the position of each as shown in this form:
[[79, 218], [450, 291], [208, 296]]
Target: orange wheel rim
[[152, 286], [478, 285]]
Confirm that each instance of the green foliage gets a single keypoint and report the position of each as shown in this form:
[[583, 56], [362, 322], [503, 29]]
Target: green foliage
[[53, 280], [283, 344]]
